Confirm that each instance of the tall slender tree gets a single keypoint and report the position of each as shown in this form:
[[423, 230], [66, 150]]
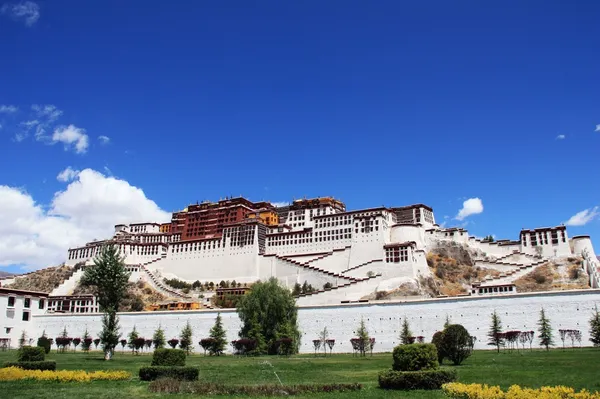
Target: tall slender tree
[[158, 339], [185, 338], [495, 332], [595, 328], [108, 279], [448, 322], [219, 335], [405, 333], [133, 335], [545, 330], [363, 337]]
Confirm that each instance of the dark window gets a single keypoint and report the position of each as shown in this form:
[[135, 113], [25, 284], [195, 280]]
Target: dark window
[[41, 304], [25, 316], [11, 301], [27, 303]]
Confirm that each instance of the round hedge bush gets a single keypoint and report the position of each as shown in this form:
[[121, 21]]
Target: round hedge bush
[[415, 357]]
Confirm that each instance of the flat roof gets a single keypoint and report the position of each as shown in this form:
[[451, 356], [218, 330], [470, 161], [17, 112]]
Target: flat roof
[[8, 291]]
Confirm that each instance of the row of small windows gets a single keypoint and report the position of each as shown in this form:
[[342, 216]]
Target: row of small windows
[[328, 235], [153, 238], [26, 302], [541, 238], [138, 229], [396, 255], [491, 290], [202, 246]]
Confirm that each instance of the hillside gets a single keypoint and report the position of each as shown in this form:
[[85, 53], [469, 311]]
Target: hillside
[[562, 274], [453, 276], [139, 294], [44, 280]]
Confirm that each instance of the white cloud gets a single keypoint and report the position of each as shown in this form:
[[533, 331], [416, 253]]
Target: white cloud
[[48, 111], [597, 128], [104, 139], [36, 235], [26, 11], [560, 137], [471, 206], [71, 136], [67, 175], [280, 203], [8, 109], [583, 217]]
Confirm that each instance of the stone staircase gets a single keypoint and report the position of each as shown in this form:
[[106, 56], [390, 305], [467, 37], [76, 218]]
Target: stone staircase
[[319, 258], [67, 286], [156, 282], [340, 286], [307, 266], [512, 275], [361, 265]]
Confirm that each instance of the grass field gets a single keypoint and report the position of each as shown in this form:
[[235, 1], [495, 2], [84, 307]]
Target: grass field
[[577, 368]]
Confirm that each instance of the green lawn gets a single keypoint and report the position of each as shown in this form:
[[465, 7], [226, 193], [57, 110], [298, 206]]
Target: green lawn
[[576, 368]]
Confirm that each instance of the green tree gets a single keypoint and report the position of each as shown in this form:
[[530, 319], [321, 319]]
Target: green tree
[[448, 322], [267, 308], [133, 335], [87, 341], [218, 333], [185, 338], [405, 333], [595, 328], [22, 339], [457, 343], [108, 279], [255, 332], [297, 289], [545, 330], [305, 287], [364, 341], [488, 238], [495, 332], [158, 339], [109, 336]]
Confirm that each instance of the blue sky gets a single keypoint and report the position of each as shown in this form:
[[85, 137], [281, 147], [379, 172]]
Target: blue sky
[[375, 103]]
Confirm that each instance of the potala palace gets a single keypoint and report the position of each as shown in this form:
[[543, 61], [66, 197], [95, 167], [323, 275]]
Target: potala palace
[[345, 255]]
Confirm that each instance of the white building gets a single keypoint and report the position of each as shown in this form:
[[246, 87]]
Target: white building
[[17, 308], [320, 242]]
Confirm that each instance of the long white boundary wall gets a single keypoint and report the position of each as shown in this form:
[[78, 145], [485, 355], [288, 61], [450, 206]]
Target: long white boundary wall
[[566, 310]]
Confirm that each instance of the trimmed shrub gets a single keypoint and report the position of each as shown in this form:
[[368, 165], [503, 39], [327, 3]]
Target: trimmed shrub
[[426, 379], [415, 357], [44, 342], [473, 391], [38, 365], [438, 340], [178, 373], [16, 373], [168, 357], [31, 354], [167, 385]]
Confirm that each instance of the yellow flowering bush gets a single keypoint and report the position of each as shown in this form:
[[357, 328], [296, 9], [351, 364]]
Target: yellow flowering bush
[[15, 373], [478, 391]]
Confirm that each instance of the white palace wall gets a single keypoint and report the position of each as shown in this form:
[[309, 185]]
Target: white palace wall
[[566, 310]]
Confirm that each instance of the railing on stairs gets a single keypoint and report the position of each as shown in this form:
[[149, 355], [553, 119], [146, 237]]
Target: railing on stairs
[[155, 281], [361, 265], [313, 268], [337, 287]]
